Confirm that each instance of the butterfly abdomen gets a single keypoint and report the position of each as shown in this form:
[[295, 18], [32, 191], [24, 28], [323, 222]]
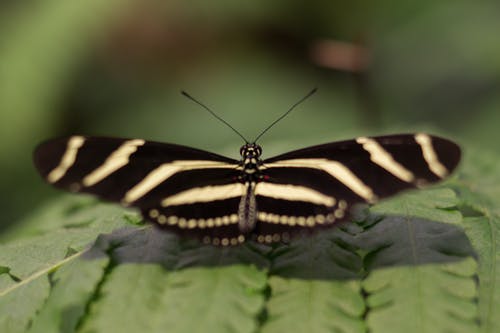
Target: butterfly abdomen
[[247, 209]]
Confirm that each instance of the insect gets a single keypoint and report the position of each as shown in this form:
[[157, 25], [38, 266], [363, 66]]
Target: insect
[[225, 202]]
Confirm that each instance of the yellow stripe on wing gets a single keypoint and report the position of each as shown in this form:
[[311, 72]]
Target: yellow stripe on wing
[[67, 160], [293, 193], [165, 171], [430, 155], [205, 194], [333, 168], [384, 159], [118, 159]]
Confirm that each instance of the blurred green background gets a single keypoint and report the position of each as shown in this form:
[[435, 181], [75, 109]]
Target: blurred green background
[[116, 67]]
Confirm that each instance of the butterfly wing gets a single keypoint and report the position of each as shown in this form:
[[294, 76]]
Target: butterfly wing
[[316, 186], [197, 193], [160, 179]]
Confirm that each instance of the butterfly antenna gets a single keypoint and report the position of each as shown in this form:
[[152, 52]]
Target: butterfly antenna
[[213, 114], [309, 94]]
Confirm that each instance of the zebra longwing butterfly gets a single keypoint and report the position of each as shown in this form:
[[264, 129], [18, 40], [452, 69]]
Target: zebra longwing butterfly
[[224, 202]]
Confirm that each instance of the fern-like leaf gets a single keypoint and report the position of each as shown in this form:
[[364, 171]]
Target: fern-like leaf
[[479, 191]]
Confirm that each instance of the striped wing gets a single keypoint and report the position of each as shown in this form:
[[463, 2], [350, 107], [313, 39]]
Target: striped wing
[[155, 177], [315, 187]]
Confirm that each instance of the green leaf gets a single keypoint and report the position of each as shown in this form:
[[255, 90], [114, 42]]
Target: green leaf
[[485, 235], [327, 255], [6, 280], [26, 263], [315, 284], [192, 300], [314, 306], [433, 204], [426, 298], [229, 299], [481, 201], [421, 272], [74, 286], [410, 231], [72, 213], [19, 306], [125, 309], [404, 240], [228, 296], [44, 250]]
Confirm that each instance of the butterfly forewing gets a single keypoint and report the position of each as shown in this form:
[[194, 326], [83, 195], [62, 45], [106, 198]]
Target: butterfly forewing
[[90, 161], [368, 168]]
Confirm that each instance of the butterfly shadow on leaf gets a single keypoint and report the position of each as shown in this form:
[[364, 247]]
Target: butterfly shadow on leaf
[[348, 251]]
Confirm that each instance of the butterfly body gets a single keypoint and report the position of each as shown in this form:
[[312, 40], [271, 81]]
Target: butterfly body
[[250, 175], [223, 201]]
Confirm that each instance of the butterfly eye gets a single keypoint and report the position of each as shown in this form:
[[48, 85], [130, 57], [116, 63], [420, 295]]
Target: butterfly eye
[[259, 150]]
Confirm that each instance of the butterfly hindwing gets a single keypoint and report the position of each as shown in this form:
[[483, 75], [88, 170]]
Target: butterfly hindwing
[[214, 222]]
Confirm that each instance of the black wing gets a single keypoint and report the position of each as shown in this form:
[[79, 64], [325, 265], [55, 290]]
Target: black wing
[[160, 179], [315, 187]]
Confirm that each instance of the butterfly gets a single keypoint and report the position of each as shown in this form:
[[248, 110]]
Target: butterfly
[[224, 202]]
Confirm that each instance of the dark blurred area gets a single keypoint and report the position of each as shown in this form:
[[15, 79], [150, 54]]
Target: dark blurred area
[[116, 67]]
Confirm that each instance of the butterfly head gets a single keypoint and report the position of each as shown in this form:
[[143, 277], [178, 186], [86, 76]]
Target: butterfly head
[[250, 154], [250, 150]]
